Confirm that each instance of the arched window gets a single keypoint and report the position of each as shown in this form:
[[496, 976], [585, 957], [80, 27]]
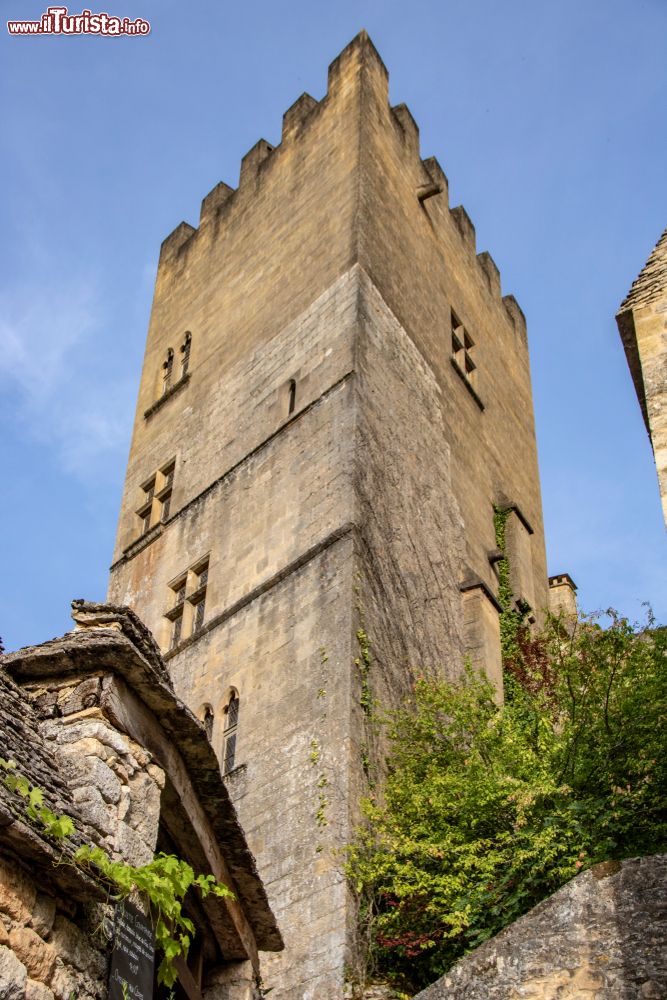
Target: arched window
[[185, 353], [230, 731], [167, 370]]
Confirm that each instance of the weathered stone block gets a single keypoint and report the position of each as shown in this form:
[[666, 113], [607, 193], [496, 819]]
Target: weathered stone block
[[64, 981], [13, 975], [37, 991], [145, 805], [74, 947], [92, 772], [94, 809], [43, 914], [38, 957], [17, 892], [131, 846]]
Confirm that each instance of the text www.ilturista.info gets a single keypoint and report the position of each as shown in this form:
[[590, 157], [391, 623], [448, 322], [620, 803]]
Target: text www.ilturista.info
[[57, 21]]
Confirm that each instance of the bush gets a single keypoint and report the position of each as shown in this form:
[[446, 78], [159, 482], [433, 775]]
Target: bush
[[487, 810]]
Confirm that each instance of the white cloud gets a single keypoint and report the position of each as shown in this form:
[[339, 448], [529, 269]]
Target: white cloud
[[50, 336], [42, 327]]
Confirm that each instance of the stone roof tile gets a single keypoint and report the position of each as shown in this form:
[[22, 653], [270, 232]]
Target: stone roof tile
[[651, 281]]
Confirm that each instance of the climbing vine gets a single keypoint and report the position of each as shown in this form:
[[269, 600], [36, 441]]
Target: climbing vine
[[512, 619], [322, 782], [162, 883], [363, 662]]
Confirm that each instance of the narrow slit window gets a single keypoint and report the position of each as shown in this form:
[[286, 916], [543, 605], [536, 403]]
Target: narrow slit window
[[200, 608], [230, 733], [167, 370], [166, 506], [292, 397], [176, 630], [185, 354], [165, 478]]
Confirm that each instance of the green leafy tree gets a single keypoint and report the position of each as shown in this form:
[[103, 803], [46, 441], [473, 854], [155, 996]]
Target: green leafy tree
[[487, 810]]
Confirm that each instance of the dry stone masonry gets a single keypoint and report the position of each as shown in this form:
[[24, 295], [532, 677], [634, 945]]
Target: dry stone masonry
[[601, 937], [92, 721]]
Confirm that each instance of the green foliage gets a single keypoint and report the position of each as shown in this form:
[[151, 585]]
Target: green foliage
[[511, 618], [58, 827], [487, 810], [163, 883], [363, 662]]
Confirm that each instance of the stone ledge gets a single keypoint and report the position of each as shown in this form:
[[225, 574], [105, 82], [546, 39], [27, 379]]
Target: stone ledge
[[159, 403]]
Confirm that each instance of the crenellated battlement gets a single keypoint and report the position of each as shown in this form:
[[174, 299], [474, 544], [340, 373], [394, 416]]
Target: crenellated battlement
[[408, 126], [358, 56], [491, 272], [515, 313], [357, 82], [214, 201], [296, 116], [173, 244], [465, 227]]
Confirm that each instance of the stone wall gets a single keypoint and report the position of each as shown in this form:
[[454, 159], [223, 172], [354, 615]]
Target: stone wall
[[49, 948], [112, 780], [54, 944], [603, 936]]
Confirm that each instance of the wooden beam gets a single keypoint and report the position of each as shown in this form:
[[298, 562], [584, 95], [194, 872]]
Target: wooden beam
[[131, 715], [187, 980]]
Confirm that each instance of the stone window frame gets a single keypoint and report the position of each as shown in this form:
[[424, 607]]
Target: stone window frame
[[230, 731], [167, 371], [155, 505], [462, 345], [186, 609], [185, 350], [167, 387]]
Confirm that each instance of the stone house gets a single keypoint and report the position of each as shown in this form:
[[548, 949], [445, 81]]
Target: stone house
[[92, 720], [642, 324]]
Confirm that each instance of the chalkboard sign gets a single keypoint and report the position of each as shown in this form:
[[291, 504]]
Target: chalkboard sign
[[133, 956]]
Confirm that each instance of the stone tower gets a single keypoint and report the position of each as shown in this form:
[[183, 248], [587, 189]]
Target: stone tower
[[335, 395], [642, 323]]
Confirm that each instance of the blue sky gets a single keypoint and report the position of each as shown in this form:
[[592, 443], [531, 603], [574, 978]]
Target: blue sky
[[549, 120]]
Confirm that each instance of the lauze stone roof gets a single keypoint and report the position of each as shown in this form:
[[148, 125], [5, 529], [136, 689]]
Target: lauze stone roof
[[652, 279], [112, 640]]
